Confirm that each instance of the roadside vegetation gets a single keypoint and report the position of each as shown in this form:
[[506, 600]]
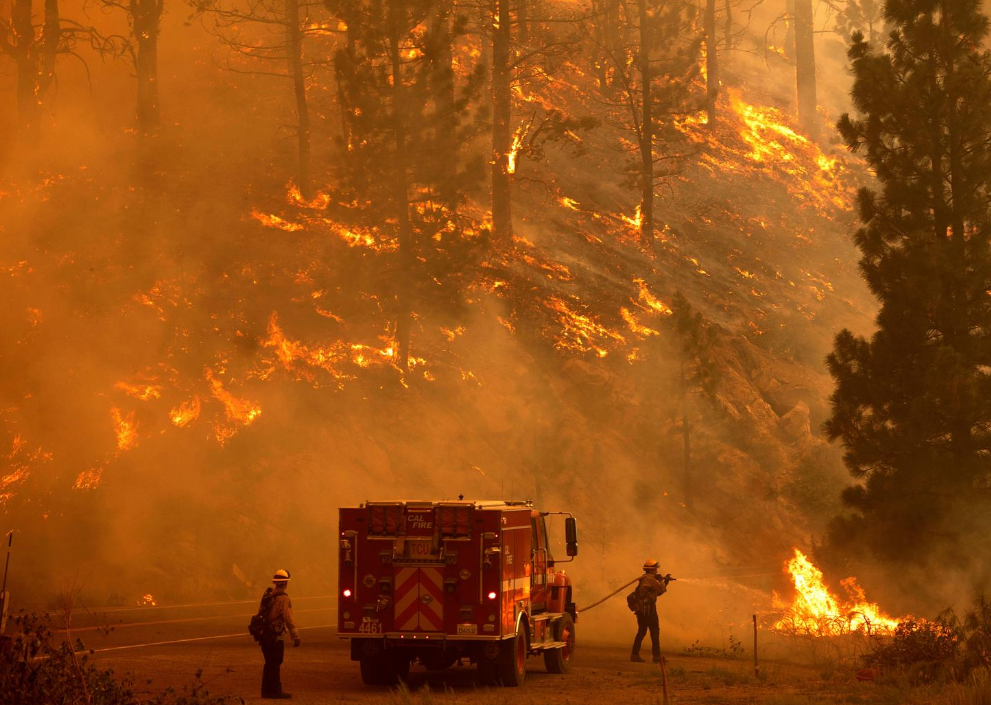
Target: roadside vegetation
[[38, 667]]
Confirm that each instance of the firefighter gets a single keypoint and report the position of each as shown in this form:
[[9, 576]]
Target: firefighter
[[279, 619], [643, 601]]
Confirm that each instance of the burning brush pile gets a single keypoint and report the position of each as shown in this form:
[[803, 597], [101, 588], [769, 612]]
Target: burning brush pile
[[183, 382], [947, 647], [816, 611]]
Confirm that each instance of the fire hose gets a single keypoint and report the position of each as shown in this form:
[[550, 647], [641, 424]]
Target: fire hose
[[666, 578]]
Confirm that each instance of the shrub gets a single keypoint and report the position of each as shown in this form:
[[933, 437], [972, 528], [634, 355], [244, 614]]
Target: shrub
[[37, 669], [920, 647]]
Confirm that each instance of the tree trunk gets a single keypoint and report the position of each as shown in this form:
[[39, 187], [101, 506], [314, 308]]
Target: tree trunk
[[502, 211], [611, 31], [442, 90], [805, 68], [147, 17], [646, 133], [22, 50], [401, 195], [51, 35], [711, 64], [728, 25], [294, 45], [343, 71], [686, 437], [523, 21]]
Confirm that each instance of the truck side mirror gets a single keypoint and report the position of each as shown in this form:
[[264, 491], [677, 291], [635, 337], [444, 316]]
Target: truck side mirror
[[571, 535]]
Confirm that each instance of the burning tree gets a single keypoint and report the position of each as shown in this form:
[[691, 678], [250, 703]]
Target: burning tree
[[653, 66], [400, 124], [516, 48], [912, 404]]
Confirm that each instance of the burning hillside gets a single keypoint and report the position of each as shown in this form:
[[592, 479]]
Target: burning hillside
[[235, 364]]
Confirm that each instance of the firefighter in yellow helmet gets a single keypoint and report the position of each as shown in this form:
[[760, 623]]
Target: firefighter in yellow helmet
[[643, 602], [277, 608]]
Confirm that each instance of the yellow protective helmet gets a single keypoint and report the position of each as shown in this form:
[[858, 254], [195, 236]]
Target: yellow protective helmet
[[281, 576], [651, 564]]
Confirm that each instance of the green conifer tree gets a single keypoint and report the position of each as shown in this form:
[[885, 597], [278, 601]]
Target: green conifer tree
[[912, 405]]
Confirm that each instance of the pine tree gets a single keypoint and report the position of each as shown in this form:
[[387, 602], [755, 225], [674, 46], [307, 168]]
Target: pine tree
[[697, 376], [403, 131], [652, 69], [912, 405], [144, 17]]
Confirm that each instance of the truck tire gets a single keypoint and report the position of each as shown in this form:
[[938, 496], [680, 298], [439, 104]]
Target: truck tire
[[512, 667], [488, 673], [384, 669], [559, 660]]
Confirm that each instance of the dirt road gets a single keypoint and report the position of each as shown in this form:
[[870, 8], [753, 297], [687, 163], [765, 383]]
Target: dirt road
[[168, 646]]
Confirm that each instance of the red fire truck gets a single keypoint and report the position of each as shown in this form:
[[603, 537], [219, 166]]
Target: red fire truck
[[439, 582]]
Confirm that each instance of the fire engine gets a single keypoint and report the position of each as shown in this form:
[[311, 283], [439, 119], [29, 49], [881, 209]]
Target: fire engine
[[441, 582]]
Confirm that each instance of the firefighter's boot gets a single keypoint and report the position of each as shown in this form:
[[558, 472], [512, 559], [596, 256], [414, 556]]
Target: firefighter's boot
[[635, 658]]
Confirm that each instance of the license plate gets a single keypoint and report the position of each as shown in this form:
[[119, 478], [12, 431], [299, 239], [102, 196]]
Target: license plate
[[467, 629], [420, 551]]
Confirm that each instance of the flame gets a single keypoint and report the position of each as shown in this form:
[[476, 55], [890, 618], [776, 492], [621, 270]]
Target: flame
[[816, 611], [240, 412], [89, 479], [760, 139], [295, 356], [518, 138], [581, 333], [636, 221], [648, 300], [125, 428], [144, 392], [553, 270], [569, 203], [186, 412], [355, 238], [20, 462], [274, 221], [295, 198], [147, 600], [635, 326]]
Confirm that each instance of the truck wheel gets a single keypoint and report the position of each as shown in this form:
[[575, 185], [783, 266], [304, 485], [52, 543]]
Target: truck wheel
[[512, 669], [372, 670], [559, 660], [488, 672], [384, 669]]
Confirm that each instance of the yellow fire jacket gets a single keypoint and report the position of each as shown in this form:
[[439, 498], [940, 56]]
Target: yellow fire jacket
[[280, 616]]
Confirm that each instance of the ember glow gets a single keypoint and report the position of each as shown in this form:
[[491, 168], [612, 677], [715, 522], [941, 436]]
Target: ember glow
[[816, 611]]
